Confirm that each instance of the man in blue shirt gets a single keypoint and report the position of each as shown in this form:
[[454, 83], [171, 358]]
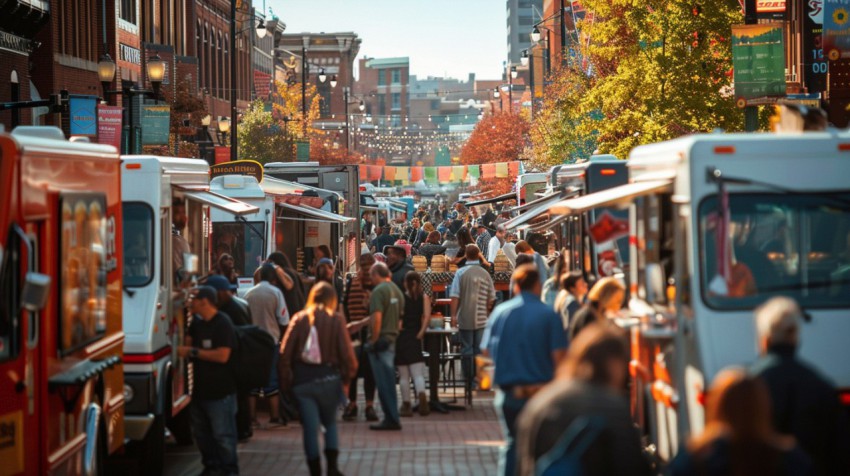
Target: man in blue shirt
[[525, 339]]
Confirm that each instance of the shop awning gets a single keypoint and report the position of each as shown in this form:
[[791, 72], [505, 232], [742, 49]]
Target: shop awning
[[496, 199], [221, 202], [552, 221], [608, 198], [400, 207], [275, 186], [549, 198], [310, 214]]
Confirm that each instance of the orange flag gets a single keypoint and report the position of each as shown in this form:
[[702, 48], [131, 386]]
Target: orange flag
[[389, 173], [514, 168], [415, 174], [444, 174], [488, 170]]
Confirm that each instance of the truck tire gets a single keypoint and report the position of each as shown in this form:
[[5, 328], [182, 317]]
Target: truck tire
[[152, 448]]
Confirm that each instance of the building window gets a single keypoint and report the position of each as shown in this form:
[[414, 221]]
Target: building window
[[396, 76], [127, 11], [435, 104], [396, 101], [220, 69], [382, 79], [526, 21], [382, 103]]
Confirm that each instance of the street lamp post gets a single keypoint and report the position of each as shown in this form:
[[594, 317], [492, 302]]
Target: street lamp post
[[511, 78], [496, 96], [233, 57]]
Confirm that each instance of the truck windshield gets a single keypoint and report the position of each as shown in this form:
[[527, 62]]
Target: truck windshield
[[138, 244], [243, 241], [795, 245]]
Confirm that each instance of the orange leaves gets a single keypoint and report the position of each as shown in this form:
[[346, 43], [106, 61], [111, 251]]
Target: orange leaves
[[497, 138]]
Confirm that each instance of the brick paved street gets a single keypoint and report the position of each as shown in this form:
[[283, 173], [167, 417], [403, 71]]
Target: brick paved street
[[461, 442]]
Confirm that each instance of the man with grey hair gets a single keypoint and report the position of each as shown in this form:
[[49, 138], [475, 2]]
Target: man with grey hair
[[805, 405]]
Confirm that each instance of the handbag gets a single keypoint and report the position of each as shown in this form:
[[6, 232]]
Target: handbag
[[312, 354]]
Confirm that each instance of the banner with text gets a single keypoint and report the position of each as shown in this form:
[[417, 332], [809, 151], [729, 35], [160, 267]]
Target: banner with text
[[109, 125], [758, 57]]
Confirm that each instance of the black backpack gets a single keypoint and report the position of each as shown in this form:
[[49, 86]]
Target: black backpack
[[252, 363]]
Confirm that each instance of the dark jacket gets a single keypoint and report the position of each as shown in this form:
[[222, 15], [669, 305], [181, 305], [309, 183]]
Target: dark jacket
[[716, 459], [399, 271], [615, 450], [806, 406]]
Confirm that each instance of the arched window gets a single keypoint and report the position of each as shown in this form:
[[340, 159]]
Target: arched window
[[226, 67], [207, 63], [199, 51], [212, 64], [220, 68]]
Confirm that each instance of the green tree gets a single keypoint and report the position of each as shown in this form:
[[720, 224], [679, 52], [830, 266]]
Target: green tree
[[261, 137], [652, 70]]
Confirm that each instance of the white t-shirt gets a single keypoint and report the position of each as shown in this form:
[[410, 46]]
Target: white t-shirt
[[493, 248]]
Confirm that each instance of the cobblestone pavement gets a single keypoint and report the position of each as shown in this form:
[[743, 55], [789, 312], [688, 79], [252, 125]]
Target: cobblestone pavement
[[462, 442]]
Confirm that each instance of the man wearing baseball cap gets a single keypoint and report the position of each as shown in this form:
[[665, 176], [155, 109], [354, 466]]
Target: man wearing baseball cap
[[209, 344]]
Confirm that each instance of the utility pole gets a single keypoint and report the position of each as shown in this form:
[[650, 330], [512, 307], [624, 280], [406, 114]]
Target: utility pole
[[304, 90], [751, 113], [233, 58], [563, 35]]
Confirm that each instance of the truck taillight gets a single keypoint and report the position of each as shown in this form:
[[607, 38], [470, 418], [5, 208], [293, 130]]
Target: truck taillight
[[133, 166], [844, 147], [608, 172], [844, 395], [724, 150]]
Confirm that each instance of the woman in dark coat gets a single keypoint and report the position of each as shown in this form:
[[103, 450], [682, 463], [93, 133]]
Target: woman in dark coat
[[408, 349]]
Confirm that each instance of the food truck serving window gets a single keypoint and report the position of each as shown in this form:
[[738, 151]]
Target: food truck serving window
[[138, 244], [83, 263], [244, 241], [766, 245]]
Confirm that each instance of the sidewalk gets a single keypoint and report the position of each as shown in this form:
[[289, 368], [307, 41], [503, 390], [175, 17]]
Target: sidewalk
[[461, 442]]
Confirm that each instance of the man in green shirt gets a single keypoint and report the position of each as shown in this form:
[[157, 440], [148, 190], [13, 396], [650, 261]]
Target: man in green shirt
[[385, 305]]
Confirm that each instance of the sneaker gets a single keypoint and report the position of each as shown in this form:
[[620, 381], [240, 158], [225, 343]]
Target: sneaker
[[371, 415], [424, 407], [385, 425], [277, 422], [350, 413], [405, 410]]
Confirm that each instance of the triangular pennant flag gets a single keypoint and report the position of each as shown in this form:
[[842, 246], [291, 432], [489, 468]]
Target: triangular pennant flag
[[474, 171], [415, 174], [445, 174], [502, 170], [513, 168]]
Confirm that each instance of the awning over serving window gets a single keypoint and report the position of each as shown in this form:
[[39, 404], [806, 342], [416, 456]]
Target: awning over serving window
[[221, 202], [538, 208], [607, 198], [549, 198], [274, 186], [310, 214], [496, 199]]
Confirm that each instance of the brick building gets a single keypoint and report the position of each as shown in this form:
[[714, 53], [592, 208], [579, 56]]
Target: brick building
[[20, 21], [384, 85]]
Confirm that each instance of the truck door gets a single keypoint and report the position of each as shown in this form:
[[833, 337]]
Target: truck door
[[20, 424]]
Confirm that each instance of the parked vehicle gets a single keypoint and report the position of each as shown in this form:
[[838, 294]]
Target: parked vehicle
[[166, 206], [62, 405], [719, 223]]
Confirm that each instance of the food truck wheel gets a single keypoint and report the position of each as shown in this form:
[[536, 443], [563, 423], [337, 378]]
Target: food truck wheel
[[152, 454]]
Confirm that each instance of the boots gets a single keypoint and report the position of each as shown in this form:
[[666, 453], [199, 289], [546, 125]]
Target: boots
[[315, 466], [331, 456]]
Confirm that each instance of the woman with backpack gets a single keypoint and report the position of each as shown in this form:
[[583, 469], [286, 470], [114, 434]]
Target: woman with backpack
[[318, 361]]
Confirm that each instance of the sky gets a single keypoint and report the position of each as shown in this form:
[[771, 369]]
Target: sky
[[449, 38]]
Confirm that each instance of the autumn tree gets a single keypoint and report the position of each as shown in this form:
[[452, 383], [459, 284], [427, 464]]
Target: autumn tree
[[499, 137], [187, 110], [652, 71]]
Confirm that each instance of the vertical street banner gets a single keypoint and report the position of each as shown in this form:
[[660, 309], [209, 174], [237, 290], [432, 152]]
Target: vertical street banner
[[836, 29], [82, 115], [814, 66], [758, 56], [109, 125], [156, 124], [222, 154], [302, 151]]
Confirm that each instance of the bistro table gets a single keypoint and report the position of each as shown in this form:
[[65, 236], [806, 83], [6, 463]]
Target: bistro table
[[434, 345], [500, 279]]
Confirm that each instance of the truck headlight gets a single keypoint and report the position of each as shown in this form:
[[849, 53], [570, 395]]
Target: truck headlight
[[129, 393]]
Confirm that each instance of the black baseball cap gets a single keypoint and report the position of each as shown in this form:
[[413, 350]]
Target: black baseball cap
[[206, 292], [220, 283]]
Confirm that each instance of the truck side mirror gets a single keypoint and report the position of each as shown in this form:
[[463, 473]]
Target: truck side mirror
[[36, 291]]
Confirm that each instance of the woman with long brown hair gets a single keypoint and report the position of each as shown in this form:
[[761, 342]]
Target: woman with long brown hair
[[408, 357], [604, 300], [738, 439], [317, 361]]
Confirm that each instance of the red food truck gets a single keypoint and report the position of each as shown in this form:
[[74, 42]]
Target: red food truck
[[61, 338]]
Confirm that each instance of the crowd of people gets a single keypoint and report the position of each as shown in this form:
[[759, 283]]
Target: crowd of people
[[560, 361]]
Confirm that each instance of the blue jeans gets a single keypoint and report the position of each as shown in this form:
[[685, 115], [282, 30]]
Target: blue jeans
[[470, 341], [508, 409], [317, 402], [214, 427], [383, 366]]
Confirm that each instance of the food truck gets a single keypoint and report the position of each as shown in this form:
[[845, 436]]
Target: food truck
[[166, 207], [719, 223], [290, 216], [61, 401]]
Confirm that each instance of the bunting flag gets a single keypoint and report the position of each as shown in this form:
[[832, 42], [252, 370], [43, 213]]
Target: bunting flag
[[445, 174], [502, 170], [458, 173], [403, 174], [474, 171], [415, 174], [430, 174], [375, 172], [513, 168], [488, 171], [364, 173], [389, 173]]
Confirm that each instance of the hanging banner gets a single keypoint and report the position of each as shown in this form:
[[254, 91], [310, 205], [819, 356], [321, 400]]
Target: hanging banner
[[444, 174], [513, 168], [431, 174], [83, 118], [758, 56], [389, 173], [458, 173], [403, 174], [415, 174], [488, 171], [364, 173], [375, 172], [474, 171], [109, 125], [502, 170], [222, 154], [156, 124], [836, 29]]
